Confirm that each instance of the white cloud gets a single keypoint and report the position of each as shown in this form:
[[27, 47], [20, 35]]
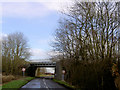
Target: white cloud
[[54, 0], [2, 35], [34, 9], [38, 53], [57, 4], [34, 0], [24, 10], [54, 53]]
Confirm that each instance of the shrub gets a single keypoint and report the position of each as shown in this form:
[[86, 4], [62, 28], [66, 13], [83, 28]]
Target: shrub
[[7, 78], [94, 75], [117, 82]]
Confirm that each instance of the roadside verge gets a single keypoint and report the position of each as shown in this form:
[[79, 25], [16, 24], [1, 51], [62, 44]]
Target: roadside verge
[[65, 84], [15, 84]]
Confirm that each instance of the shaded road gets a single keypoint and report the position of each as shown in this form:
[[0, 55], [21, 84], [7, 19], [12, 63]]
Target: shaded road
[[42, 84]]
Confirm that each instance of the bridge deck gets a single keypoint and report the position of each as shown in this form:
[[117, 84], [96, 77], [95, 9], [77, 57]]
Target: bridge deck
[[43, 64]]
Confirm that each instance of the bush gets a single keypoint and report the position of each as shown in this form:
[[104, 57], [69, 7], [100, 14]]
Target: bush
[[95, 75], [8, 78], [117, 82]]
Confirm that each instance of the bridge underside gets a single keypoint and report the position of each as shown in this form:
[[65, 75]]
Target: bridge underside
[[31, 70]]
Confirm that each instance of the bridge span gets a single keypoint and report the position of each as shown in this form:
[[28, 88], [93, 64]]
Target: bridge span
[[34, 65]]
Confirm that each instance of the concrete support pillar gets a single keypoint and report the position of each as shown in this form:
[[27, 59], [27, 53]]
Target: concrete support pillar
[[58, 71], [36, 72]]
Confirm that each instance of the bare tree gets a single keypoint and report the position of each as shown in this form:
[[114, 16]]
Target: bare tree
[[14, 51], [88, 34]]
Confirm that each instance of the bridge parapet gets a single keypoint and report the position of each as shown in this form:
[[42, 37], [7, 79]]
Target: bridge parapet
[[43, 64]]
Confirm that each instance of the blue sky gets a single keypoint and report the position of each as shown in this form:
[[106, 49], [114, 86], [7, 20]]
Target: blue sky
[[37, 30], [36, 20]]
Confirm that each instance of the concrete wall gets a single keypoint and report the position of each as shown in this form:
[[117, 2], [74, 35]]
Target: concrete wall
[[58, 71]]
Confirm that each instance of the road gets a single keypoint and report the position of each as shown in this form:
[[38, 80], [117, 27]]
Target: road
[[42, 84]]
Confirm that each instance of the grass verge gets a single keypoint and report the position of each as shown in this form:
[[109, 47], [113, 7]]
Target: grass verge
[[64, 84], [17, 83]]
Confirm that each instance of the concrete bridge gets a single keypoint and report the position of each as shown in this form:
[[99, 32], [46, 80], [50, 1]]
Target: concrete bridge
[[30, 71]]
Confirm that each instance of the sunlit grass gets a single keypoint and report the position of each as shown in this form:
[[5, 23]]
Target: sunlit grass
[[17, 83]]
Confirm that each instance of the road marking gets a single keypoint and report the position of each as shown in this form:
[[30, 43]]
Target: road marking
[[45, 83]]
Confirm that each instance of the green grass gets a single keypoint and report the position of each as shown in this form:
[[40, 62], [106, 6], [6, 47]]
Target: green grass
[[44, 75], [0, 87], [17, 83], [64, 83]]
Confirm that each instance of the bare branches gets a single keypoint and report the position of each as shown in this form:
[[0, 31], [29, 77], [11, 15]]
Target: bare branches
[[88, 40], [14, 52], [89, 32]]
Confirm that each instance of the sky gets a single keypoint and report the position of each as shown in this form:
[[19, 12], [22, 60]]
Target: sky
[[37, 20]]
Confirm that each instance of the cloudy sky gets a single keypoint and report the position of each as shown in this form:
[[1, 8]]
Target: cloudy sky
[[37, 20]]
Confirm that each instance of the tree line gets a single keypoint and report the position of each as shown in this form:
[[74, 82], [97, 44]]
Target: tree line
[[87, 40], [15, 51]]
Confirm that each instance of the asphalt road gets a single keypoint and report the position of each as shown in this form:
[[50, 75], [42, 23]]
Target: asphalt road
[[42, 84]]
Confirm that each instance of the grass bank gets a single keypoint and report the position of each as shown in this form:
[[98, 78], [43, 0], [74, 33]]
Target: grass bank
[[17, 83], [63, 83]]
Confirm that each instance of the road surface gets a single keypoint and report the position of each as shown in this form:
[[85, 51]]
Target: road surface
[[42, 84]]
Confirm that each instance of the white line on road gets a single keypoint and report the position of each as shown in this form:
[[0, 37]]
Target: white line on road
[[45, 83]]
